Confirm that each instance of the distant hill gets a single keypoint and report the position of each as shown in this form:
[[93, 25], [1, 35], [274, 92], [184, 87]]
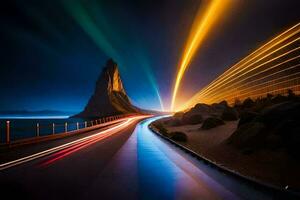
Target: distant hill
[[39, 112]]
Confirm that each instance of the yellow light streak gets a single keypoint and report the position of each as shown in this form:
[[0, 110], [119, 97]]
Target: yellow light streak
[[220, 93], [264, 48], [231, 75], [244, 78], [232, 71], [250, 90], [229, 90], [248, 94], [201, 26], [232, 81]]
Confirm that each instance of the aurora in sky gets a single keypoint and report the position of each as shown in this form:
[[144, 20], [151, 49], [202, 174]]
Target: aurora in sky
[[97, 25], [53, 51]]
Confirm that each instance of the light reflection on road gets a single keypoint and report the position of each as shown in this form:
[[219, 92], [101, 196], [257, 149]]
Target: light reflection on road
[[165, 174], [148, 167]]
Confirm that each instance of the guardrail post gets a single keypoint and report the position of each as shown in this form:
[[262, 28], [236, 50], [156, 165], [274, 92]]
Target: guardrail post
[[37, 129], [53, 128], [92, 123], [7, 132], [85, 124], [66, 127], [77, 125]]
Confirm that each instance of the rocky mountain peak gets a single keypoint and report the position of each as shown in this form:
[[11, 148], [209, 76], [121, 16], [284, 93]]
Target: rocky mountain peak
[[112, 75], [109, 97]]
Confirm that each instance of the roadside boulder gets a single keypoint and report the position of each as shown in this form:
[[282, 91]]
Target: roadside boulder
[[281, 112], [246, 117], [229, 114], [220, 107], [249, 135], [201, 109], [191, 119], [211, 122], [248, 103]]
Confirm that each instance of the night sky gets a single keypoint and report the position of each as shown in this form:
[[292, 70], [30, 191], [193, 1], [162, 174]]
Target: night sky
[[53, 51]]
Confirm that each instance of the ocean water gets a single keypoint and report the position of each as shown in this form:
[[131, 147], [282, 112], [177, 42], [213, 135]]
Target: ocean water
[[26, 126]]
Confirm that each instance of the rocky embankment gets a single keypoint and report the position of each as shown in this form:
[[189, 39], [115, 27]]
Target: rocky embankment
[[259, 139]]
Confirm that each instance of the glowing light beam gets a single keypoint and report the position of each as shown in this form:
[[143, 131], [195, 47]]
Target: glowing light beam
[[271, 69], [201, 26], [109, 39]]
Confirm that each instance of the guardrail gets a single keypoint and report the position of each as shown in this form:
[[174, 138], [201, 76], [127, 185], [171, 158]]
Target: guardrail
[[58, 130]]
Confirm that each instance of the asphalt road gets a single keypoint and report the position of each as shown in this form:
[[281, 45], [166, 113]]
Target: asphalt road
[[124, 161]]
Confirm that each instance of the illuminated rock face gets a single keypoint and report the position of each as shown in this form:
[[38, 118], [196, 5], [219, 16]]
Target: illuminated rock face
[[109, 97]]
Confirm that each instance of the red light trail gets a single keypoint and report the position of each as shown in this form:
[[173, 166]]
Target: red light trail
[[62, 151]]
